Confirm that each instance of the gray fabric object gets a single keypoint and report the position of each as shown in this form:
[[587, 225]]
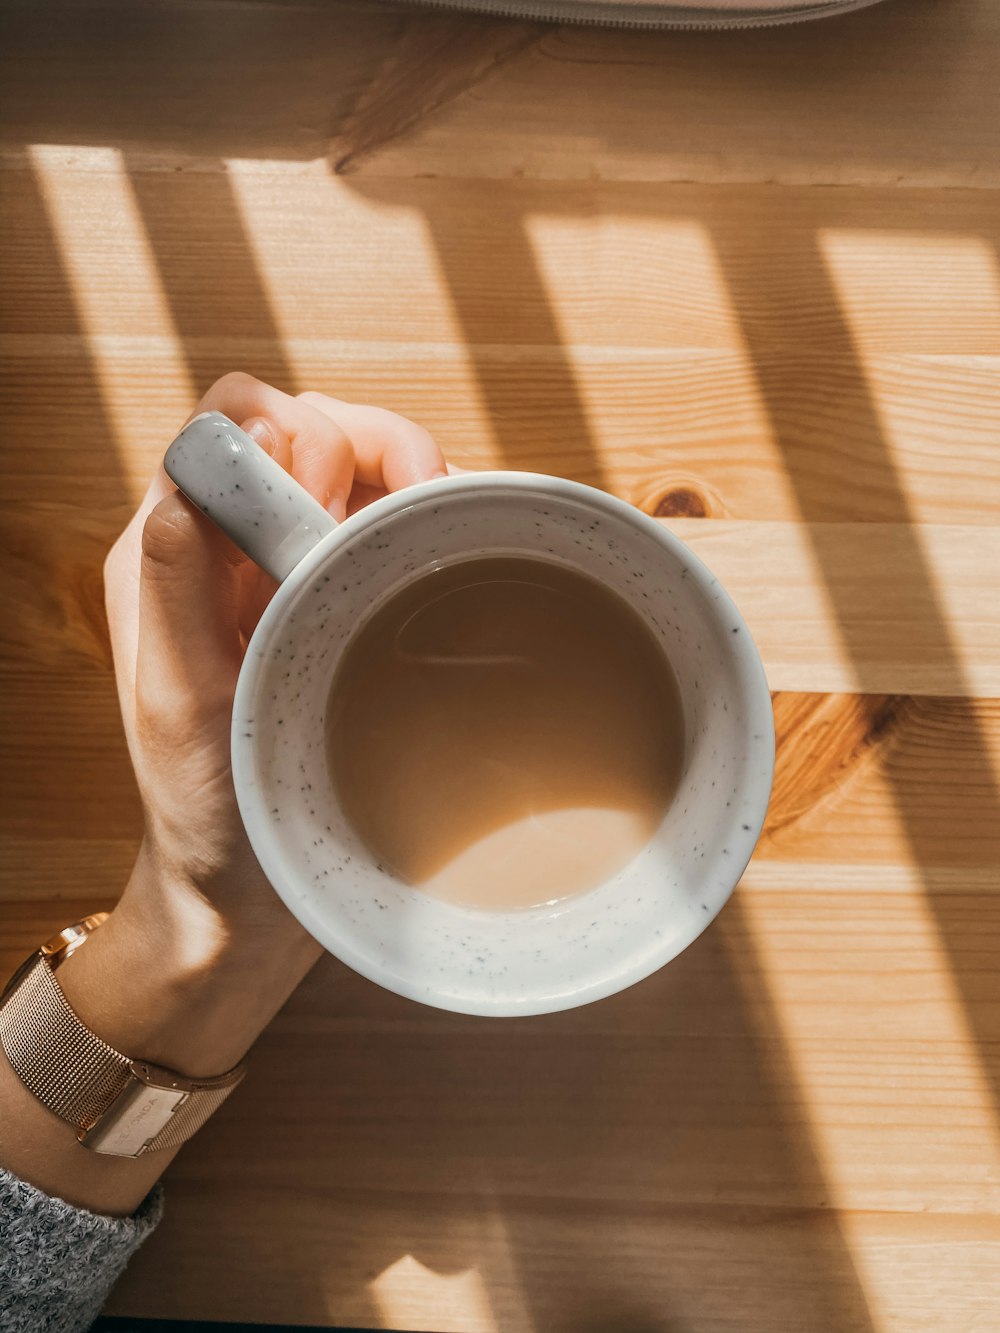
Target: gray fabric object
[[58, 1263]]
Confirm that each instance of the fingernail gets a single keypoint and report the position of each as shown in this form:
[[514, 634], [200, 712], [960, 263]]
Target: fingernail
[[262, 432], [440, 472]]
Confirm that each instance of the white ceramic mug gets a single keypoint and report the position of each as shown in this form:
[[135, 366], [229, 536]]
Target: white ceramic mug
[[332, 576]]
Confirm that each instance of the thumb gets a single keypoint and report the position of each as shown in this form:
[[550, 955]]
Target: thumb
[[189, 648]]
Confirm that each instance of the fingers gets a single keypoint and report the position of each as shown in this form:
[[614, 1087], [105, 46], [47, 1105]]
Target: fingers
[[325, 443], [391, 452], [122, 567], [189, 648], [271, 438], [121, 594], [322, 456]]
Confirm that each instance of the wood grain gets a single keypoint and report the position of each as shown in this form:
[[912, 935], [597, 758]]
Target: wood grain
[[833, 607], [858, 780], [781, 106], [867, 326], [854, 593], [663, 443], [442, 55], [748, 282], [713, 1269]]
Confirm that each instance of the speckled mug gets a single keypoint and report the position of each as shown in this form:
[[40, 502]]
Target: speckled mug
[[332, 576]]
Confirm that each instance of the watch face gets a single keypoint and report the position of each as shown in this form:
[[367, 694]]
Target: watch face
[[56, 949], [62, 945]]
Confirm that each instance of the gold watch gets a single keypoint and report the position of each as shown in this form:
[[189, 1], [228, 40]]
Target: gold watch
[[119, 1105]]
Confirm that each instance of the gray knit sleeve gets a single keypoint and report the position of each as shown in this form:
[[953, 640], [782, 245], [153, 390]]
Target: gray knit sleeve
[[58, 1263]]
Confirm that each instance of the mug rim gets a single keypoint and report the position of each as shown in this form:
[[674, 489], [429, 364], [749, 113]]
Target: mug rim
[[255, 812]]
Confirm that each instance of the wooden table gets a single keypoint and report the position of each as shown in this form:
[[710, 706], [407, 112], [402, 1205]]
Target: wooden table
[[750, 283]]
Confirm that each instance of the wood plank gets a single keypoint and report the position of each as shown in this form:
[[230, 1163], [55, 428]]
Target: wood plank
[[771, 105], [465, 1265], [895, 795], [787, 104], [829, 942], [632, 265], [823, 372], [751, 1116], [828, 954], [172, 76], [846, 765], [62, 737], [646, 438], [826, 602], [53, 869], [833, 607]]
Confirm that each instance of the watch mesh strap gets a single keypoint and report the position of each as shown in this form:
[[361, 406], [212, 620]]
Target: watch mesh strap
[[64, 1064], [76, 1074]]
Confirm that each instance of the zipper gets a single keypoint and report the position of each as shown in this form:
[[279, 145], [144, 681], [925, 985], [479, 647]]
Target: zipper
[[610, 15]]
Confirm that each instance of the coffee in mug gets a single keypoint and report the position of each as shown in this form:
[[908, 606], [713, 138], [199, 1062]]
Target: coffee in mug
[[504, 732]]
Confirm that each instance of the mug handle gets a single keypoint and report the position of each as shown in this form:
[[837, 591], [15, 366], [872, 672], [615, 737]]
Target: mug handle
[[230, 478]]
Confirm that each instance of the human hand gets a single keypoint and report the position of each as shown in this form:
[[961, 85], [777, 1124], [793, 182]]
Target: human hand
[[200, 952]]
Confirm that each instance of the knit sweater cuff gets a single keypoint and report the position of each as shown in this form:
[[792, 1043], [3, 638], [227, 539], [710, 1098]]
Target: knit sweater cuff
[[58, 1263]]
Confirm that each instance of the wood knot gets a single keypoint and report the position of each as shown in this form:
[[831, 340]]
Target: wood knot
[[681, 502], [823, 741]]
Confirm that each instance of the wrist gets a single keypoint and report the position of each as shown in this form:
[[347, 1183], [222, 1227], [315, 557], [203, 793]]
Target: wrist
[[169, 980]]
